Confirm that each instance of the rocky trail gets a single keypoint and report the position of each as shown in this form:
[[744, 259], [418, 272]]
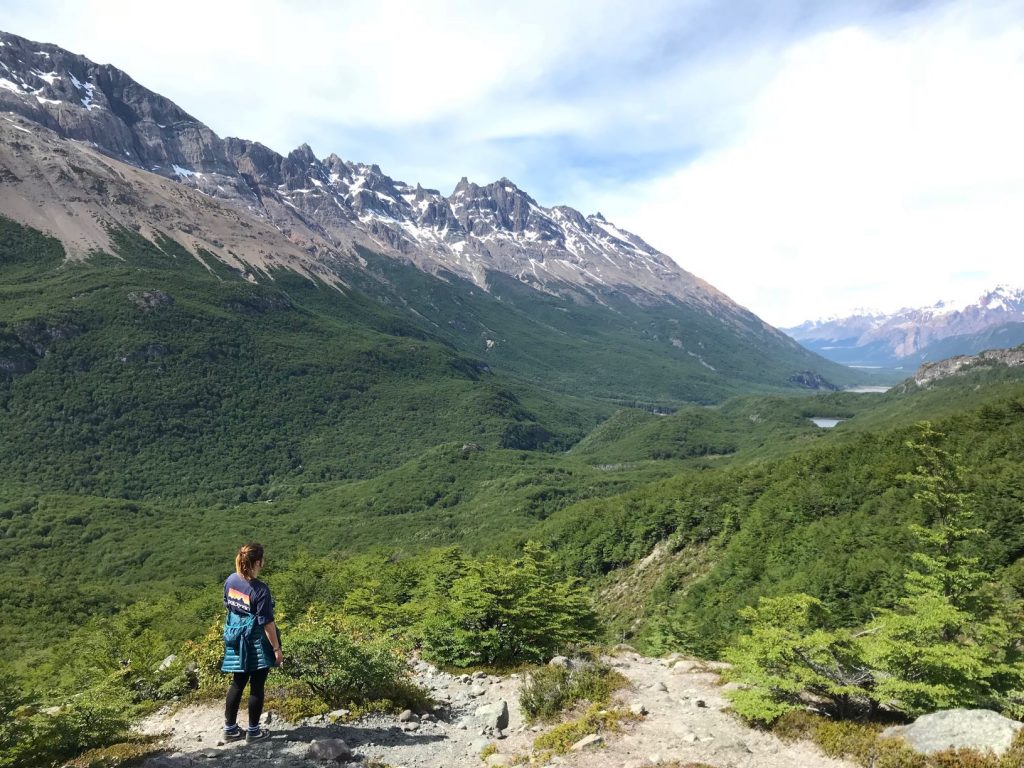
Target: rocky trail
[[683, 722]]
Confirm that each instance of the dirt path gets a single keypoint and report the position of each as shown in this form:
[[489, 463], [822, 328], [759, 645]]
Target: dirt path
[[684, 722]]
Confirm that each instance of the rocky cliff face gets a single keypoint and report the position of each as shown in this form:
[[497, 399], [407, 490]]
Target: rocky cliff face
[[932, 372], [475, 231]]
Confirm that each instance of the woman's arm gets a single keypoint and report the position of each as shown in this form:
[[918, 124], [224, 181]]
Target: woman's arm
[[270, 628]]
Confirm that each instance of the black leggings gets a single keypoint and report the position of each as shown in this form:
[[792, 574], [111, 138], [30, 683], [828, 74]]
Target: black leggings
[[257, 680]]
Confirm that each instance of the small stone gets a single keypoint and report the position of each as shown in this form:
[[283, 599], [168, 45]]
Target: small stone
[[477, 690], [167, 662], [690, 738], [638, 709], [700, 703], [593, 740], [407, 716], [411, 726], [560, 661], [479, 675]]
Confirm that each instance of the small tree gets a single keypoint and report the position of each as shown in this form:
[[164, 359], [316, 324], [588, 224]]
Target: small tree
[[952, 639], [500, 613], [791, 659]]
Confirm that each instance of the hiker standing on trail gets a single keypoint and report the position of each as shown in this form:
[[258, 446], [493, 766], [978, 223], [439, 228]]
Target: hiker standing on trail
[[252, 644]]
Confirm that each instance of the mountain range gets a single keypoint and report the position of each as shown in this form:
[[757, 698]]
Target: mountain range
[[87, 149], [908, 337]]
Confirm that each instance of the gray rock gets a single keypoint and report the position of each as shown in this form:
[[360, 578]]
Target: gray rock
[[493, 715], [638, 709], [479, 675], [408, 716], [338, 714], [329, 750], [979, 729], [593, 740], [561, 661], [167, 662], [477, 691]]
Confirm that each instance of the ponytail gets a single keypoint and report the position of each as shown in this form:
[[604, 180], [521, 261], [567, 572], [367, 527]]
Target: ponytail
[[247, 558]]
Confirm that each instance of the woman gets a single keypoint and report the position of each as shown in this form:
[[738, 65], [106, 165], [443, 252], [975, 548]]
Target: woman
[[252, 644]]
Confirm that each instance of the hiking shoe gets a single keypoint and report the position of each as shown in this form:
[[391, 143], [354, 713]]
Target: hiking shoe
[[236, 735], [261, 735]]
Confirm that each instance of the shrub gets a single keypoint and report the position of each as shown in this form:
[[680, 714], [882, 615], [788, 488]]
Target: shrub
[[549, 691], [788, 654], [343, 669], [31, 738], [503, 613], [863, 744], [596, 720]]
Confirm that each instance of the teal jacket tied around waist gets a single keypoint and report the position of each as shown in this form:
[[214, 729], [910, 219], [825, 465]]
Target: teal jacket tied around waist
[[246, 647]]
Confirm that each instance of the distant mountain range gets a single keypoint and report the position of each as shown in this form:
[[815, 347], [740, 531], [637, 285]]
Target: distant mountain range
[[909, 337]]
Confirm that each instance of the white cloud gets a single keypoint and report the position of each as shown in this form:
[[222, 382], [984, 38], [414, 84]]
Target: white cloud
[[871, 170]]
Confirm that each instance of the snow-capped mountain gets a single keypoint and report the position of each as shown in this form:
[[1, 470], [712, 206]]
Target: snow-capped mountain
[[329, 204], [910, 336]]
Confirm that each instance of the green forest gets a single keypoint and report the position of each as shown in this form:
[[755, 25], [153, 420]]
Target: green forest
[[580, 485]]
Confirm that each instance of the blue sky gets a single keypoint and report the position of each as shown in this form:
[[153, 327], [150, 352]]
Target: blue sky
[[807, 158]]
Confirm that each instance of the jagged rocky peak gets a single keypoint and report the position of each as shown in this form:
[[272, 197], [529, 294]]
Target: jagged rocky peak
[[100, 104], [500, 205]]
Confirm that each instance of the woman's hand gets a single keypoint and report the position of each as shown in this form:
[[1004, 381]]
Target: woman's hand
[[278, 657]]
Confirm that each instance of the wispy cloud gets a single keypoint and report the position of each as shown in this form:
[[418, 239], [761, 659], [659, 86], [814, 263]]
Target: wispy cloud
[[805, 157]]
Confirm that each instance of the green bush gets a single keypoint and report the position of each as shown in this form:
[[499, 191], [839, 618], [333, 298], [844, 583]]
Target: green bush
[[34, 738], [788, 654], [863, 744], [549, 691], [596, 720], [501, 613], [343, 669]]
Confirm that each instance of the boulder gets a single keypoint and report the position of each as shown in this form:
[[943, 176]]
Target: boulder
[[408, 716], [329, 750], [493, 715], [560, 661], [979, 729]]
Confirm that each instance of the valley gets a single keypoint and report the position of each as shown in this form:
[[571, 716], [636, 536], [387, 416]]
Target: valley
[[472, 431]]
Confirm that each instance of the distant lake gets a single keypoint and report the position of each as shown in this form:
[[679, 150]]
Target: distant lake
[[825, 422], [868, 389]]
